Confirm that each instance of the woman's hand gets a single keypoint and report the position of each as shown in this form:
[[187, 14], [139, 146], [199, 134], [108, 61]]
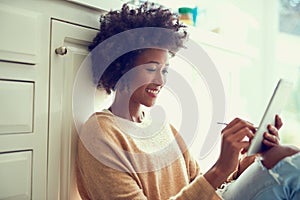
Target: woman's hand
[[232, 144], [271, 138]]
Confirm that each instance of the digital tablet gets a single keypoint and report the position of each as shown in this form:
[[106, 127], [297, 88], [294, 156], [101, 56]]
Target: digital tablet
[[275, 106]]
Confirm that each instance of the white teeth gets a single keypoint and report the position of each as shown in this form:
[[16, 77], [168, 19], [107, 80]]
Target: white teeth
[[152, 91]]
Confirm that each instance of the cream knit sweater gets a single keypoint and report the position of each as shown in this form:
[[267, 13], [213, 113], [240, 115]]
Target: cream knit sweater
[[115, 160]]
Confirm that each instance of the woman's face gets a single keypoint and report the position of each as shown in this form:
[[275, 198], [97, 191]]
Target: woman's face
[[148, 76]]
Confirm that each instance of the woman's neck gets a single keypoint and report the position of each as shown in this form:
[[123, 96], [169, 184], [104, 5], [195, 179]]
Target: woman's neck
[[125, 108]]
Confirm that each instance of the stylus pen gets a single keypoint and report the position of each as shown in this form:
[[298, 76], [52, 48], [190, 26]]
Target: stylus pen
[[223, 123]]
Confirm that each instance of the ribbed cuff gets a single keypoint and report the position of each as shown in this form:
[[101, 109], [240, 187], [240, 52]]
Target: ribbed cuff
[[198, 189]]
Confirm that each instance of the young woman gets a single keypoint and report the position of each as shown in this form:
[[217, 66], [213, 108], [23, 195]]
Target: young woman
[[123, 153]]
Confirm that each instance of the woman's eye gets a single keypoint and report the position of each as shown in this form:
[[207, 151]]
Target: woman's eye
[[151, 69], [165, 71]]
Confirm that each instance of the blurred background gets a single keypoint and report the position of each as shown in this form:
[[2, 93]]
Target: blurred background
[[253, 44]]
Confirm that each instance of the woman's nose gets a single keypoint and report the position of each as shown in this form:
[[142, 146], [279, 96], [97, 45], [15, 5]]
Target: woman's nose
[[159, 79]]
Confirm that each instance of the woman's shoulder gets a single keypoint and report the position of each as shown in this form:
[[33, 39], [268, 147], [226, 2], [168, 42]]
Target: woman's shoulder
[[101, 117], [102, 120], [104, 114], [103, 127]]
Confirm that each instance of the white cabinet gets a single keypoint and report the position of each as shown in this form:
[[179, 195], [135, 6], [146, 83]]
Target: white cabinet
[[63, 134], [23, 106], [36, 141]]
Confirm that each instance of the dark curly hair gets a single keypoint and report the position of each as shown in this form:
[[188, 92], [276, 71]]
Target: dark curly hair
[[108, 50]]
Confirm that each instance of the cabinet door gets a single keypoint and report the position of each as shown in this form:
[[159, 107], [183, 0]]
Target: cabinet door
[[62, 131]]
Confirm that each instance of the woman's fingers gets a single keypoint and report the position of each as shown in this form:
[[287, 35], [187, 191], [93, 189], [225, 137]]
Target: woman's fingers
[[233, 143], [269, 144], [240, 134], [273, 130], [278, 122], [234, 136], [239, 138], [236, 124], [271, 138]]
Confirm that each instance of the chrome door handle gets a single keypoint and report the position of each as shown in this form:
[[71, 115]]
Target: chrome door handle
[[61, 51]]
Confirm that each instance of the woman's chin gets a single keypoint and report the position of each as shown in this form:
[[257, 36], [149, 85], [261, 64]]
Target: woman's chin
[[149, 104]]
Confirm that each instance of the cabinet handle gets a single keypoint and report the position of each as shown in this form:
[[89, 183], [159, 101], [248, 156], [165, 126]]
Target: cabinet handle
[[61, 51]]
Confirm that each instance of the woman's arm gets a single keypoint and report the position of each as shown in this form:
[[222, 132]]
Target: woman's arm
[[232, 144], [271, 157]]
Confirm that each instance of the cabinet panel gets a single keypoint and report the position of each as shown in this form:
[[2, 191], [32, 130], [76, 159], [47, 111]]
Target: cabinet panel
[[19, 38], [15, 169], [62, 131], [16, 106]]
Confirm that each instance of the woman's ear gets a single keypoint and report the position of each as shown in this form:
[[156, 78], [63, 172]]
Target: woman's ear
[[123, 85]]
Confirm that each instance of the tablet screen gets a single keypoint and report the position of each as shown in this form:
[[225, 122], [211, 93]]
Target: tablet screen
[[275, 106]]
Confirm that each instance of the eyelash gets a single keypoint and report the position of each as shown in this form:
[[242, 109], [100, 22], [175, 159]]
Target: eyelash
[[165, 71], [151, 70]]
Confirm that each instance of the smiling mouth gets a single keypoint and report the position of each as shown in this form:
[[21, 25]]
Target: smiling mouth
[[152, 92]]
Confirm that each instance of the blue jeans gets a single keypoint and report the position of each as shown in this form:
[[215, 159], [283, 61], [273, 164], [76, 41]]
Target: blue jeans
[[259, 183]]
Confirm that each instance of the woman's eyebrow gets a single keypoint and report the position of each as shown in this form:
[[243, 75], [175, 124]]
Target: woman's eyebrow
[[150, 62], [158, 63]]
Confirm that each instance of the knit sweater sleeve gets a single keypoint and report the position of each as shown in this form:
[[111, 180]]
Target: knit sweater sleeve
[[199, 188]]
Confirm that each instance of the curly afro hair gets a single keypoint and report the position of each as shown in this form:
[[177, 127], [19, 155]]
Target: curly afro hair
[[108, 50]]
